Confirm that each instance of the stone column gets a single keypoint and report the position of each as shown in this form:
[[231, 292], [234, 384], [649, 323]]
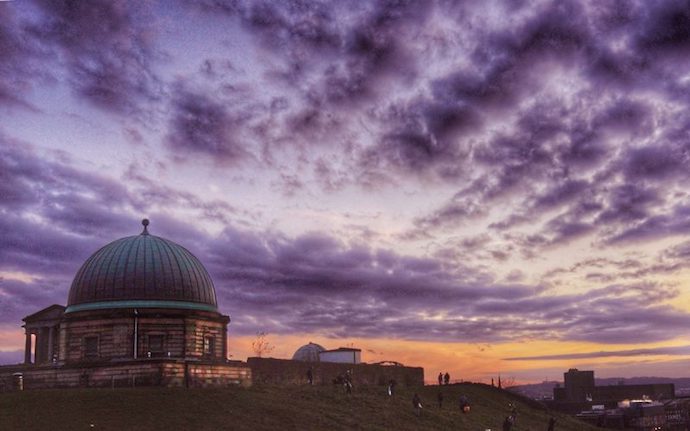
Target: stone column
[[40, 348], [27, 348], [51, 344], [225, 342]]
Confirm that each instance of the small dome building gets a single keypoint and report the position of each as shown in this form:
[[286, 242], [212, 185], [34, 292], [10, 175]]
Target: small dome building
[[140, 307], [308, 353]]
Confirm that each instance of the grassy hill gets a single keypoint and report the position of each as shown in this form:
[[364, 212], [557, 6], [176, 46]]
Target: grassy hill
[[269, 408]]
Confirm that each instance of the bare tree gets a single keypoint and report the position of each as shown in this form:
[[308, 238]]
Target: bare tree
[[260, 345], [509, 382]]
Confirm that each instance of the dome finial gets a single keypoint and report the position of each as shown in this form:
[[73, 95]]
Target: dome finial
[[145, 222]]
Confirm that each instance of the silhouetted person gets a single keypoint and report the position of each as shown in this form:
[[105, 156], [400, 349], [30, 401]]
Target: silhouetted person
[[464, 404], [513, 411], [508, 423], [446, 378], [348, 382], [440, 379], [439, 397], [417, 404], [310, 376], [391, 387], [552, 424]]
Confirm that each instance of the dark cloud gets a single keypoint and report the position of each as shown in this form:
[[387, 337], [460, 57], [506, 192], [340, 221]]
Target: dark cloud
[[202, 125], [675, 222], [11, 356], [107, 47], [628, 203], [21, 299], [560, 194], [19, 71], [671, 351], [422, 137], [52, 214], [654, 162], [667, 28]]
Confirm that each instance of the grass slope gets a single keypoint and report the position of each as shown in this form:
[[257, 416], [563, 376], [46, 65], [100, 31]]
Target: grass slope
[[269, 408]]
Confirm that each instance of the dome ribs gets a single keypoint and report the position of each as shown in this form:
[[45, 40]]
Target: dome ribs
[[150, 269], [112, 270], [185, 285], [118, 276], [143, 268], [130, 274]]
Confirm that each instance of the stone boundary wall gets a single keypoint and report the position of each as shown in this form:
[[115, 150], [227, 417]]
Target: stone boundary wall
[[289, 372], [162, 372]]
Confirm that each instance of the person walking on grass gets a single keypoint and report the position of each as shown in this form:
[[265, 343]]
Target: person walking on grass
[[348, 382], [391, 387], [310, 376], [345, 380], [417, 405], [508, 423], [464, 404]]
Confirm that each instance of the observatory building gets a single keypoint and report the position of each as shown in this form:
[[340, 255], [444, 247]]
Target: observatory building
[[142, 310], [313, 352]]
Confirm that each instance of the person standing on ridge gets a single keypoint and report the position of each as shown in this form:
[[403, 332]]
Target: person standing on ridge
[[446, 378], [310, 375], [440, 379]]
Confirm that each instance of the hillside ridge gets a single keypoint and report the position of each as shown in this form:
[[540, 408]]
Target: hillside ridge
[[273, 408]]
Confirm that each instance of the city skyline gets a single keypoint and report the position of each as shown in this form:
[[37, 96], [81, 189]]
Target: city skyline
[[480, 189]]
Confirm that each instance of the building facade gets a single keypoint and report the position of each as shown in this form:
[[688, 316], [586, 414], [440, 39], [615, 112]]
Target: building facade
[[342, 355], [580, 390]]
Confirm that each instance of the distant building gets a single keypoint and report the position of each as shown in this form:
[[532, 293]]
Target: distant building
[[313, 352], [308, 353], [342, 355], [579, 387]]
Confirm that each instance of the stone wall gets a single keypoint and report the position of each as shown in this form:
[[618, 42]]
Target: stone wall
[[154, 372], [283, 371], [172, 372], [197, 330], [114, 338], [183, 334]]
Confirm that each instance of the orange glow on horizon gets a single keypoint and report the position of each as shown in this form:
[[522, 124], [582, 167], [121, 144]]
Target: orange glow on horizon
[[469, 361], [464, 361]]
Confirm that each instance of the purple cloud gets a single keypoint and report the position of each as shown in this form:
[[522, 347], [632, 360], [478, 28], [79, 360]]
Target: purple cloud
[[671, 351], [201, 125], [107, 47]]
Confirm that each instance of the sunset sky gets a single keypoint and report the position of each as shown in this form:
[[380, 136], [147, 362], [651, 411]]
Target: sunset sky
[[474, 187]]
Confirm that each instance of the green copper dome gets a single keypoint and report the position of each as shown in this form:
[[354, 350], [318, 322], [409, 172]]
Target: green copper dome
[[142, 271]]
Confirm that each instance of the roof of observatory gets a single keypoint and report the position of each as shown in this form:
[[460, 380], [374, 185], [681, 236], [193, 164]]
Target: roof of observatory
[[142, 271], [308, 352]]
